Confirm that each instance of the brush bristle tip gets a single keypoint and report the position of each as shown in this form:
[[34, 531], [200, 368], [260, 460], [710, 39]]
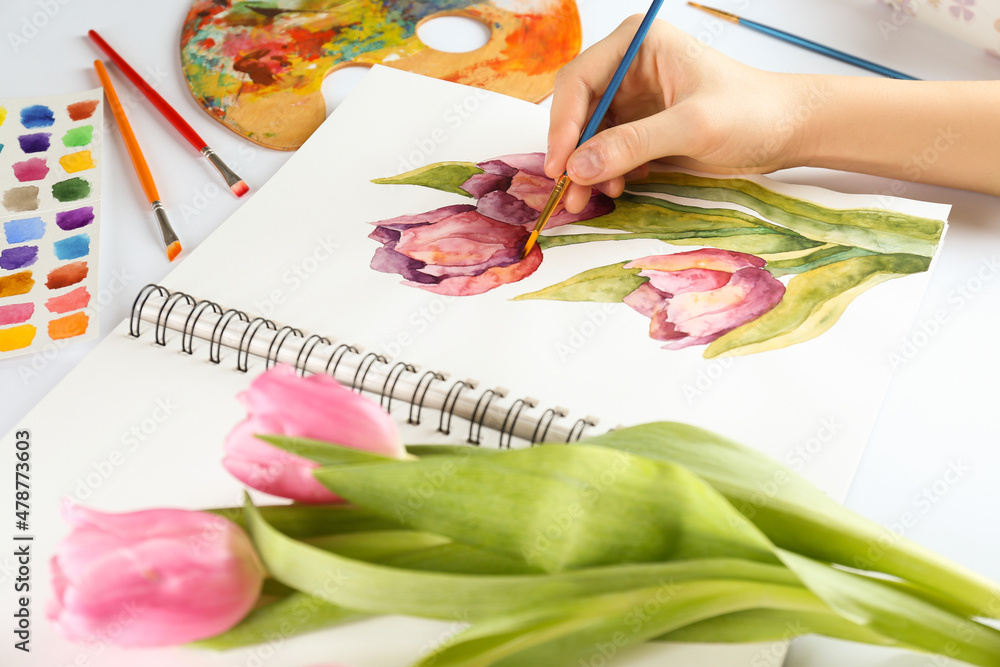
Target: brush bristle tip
[[173, 250], [240, 189]]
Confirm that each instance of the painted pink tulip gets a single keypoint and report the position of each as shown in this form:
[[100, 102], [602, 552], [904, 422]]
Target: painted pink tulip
[[514, 189], [317, 407], [152, 578], [455, 250], [694, 297]]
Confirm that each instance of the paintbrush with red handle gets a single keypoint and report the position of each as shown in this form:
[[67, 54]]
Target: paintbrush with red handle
[[235, 183]]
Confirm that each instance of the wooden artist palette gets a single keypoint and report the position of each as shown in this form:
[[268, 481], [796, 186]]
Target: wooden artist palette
[[258, 67]]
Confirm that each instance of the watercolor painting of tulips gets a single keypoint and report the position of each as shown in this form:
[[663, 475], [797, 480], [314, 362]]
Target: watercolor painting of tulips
[[781, 274]]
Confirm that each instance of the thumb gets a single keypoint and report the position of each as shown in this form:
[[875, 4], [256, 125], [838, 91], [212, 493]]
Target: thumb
[[623, 148]]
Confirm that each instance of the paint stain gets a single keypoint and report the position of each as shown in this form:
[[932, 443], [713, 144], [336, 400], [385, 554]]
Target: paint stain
[[37, 142], [37, 115], [16, 284], [75, 162], [75, 300], [69, 326], [72, 248], [78, 136], [64, 276], [71, 189], [25, 229], [24, 198], [16, 313], [3, 115], [81, 110], [18, 257], [75, 218], [31, 170], [16, 338]]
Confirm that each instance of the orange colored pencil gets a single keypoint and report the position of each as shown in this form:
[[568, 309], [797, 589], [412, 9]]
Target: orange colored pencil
[[170, 240]]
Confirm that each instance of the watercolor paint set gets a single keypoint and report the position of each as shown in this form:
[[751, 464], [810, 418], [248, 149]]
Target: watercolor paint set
[[50, 191]]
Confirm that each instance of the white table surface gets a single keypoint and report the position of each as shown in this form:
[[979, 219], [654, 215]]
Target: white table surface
[[934, 456]]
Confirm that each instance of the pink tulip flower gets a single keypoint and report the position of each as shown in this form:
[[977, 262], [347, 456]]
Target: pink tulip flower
[[151, 578], [693, 298], [279, 402]]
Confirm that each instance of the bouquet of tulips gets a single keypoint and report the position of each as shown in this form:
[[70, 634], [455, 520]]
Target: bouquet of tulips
[[554, 555]]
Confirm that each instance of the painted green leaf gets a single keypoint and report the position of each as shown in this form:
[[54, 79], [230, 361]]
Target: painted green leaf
[[813, 302], [606, 284], [814, 260], [759, 241], [877, 230], [445, 176]]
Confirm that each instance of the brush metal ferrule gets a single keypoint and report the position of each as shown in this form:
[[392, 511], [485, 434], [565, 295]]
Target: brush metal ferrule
[[169, 236], [227, 173]]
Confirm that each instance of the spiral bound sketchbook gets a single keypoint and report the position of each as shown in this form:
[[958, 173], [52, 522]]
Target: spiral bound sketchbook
[[381, 254]]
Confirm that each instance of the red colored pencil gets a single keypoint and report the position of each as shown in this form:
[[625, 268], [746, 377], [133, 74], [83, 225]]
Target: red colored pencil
[[235, 183]]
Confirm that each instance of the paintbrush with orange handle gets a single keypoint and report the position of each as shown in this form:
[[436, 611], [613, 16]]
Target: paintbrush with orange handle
[[139, 162]]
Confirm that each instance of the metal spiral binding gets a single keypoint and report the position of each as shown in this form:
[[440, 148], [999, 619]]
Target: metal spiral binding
[[337, 356], [385, 398], [514, 411], [163, 315], [243, 352], [476, 422], [307, 349], [576, 432], [187, 333], [140, 303], [215, 342], [421, 388], [283, 335], [373, 357], [458, 387], [547, 418]]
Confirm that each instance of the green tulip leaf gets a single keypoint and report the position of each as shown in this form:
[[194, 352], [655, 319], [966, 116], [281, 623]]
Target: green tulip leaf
[[445, 176], [876, 230], [606, 284], [557, 507], [305, 521], [813, 302], [797, 516]]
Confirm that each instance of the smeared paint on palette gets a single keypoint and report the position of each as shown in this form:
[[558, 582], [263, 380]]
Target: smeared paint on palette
[[258, 68], [49, 214]]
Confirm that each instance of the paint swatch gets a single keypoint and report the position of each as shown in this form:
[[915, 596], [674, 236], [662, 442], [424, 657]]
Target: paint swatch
[[25, 229], [74, 218], [64, 303], [16, 313], [49, 218], [16, 338], [81, 110], [37, 142], [72, 189], [33, 169], [18, 257], [75, 162], [20, 199], [16, 284], [73, 247], [69, 326], [64, 276], [78, 136], [37, 115]]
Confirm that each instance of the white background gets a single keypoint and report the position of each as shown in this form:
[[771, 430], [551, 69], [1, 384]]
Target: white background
[[939, 415]]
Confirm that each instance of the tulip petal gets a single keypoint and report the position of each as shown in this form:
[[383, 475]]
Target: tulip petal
[[749, 294], [506, 208], [404, 222], [490, 279], [508, 165], [686, 280], [481, 184], [459, 240], [646, 300], [705, 258]]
